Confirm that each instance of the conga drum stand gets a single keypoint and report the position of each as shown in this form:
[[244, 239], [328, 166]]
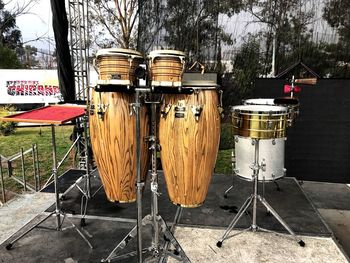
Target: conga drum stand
[[254, 198], [158, 224], [58, 213]]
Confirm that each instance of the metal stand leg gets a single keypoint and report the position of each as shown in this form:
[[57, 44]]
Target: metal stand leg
[[253, 199], [60, 216], [233, 180], [159, 226]]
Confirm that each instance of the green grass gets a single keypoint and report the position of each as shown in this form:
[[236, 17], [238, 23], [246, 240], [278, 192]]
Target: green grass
[[25, 137], [223, 162]]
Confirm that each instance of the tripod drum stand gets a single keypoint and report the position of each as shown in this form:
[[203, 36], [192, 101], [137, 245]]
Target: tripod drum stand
[[259, 123]]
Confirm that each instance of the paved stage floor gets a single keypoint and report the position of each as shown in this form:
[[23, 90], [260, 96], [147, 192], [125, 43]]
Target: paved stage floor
[[108, 223]]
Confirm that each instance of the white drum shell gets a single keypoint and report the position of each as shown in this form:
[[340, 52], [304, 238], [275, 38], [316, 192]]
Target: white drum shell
[[271, 154]]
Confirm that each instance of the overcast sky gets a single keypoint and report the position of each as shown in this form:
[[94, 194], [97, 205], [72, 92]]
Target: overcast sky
[[36, 24]]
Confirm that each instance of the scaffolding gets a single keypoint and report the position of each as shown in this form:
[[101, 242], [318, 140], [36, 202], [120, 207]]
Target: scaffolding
[[78, 28]]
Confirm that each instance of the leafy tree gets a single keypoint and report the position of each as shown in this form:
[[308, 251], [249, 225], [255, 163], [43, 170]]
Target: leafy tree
[[113, 23], [336, 13], [8, 58], [10, 35], [192, 26]]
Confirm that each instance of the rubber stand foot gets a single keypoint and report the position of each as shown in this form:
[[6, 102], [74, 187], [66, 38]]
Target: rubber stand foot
[[219, 244], [176, 252], [225, 196], [62, 198], [268, 213], [9, 246], [82, 222], [166, 239], [301, 243]]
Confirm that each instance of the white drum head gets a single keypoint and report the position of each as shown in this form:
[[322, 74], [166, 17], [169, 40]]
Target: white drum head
[[259, 109], [118, 51], [259, 101], [166, 53]]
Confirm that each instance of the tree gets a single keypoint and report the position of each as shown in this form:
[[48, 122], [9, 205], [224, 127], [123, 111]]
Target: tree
[[10, 35], [8, 58], [192, 26], [285, 27], [115, 22], [336, 13]]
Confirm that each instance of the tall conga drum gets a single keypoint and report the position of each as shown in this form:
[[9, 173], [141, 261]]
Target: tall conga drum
[[189, 133], [166, 67], [113, 134]]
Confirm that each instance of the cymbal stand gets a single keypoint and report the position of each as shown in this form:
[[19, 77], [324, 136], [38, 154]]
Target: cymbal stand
[[58, 213], [253, 198], [158, 224]]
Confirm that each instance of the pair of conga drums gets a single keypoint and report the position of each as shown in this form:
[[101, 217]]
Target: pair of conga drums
[[189, 129], [263, 120]]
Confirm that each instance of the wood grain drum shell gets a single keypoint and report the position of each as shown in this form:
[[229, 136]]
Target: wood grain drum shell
[[166, 65], [118, 64], [189, 147], [113, 142]]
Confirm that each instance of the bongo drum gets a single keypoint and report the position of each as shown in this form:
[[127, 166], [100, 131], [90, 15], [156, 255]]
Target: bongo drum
[[117, 65], [166, 67], [189, 133]]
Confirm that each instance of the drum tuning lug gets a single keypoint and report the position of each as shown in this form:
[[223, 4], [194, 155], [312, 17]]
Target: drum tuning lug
[[196, 110], [263, 166], [269, 125], [101, 109], [273, 141], [91, 109], [165, 110]]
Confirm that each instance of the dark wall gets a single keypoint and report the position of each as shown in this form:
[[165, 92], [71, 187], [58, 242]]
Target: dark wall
[[318, 145]]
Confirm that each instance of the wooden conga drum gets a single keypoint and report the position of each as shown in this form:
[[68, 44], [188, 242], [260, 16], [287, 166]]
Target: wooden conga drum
[[166, 67], [189, 133], [113, 140], [118, 65]]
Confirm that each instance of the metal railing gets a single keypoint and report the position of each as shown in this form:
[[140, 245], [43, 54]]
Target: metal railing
[[23, 180]]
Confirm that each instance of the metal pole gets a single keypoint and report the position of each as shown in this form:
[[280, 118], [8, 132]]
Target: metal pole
[[34, 169], [256, 174], [37, 165], [139, 183], [154, 179], [87, 157], [2, 182], [55, 177], [23, 171]]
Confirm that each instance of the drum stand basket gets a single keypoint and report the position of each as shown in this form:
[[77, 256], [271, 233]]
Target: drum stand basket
[[253, 199]]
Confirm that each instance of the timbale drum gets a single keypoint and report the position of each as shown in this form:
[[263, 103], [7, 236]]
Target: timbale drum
[[271, 158], [189, 134], [118, 65], [259, 121], [166, 67], [292, 105]]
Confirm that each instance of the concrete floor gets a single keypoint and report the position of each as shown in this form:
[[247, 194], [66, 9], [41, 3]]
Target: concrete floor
[[250, 247], [333, 203]]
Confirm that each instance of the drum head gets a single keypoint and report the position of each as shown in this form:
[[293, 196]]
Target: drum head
[[166, 52], [118, 52], [259, 101], [259, 109]]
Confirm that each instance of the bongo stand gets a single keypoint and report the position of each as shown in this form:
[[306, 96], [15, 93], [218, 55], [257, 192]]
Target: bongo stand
[[58, 212], [253, 198], [156, 221]]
